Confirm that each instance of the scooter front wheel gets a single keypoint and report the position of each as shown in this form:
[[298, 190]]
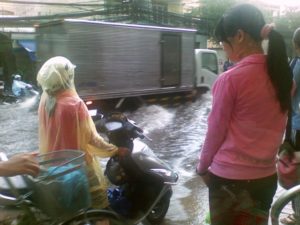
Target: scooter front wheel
[[94, 217], [159, 211]]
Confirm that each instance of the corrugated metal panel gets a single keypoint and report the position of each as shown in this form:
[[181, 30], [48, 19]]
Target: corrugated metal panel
[[111, 60]]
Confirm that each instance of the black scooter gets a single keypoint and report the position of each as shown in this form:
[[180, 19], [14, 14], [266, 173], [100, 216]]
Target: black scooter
[[141, 189], [142, 182]]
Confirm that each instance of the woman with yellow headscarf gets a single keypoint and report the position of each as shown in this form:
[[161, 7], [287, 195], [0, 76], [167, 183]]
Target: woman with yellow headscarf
[[64, 123]]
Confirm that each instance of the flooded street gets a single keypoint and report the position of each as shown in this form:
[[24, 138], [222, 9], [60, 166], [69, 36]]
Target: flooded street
[[176, 132]]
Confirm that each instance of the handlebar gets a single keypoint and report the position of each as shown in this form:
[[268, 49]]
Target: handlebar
[[139, 134], [281, 202], [10, 188], [12, 184], [7, 201]]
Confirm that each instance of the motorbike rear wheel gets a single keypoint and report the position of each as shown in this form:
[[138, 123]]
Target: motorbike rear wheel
[[159, 211]]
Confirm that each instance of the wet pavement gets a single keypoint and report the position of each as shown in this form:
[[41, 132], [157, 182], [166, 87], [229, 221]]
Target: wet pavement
[[177, 133]]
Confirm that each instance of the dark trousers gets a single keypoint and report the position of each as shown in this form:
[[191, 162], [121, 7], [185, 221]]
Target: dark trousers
[[241, 202], [296, 139], [296, 200]]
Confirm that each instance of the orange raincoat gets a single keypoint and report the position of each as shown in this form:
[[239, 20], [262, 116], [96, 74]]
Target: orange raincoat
[[64, 123]]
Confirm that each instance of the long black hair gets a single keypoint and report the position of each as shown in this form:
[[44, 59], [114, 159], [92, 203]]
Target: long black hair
[[248, 18]]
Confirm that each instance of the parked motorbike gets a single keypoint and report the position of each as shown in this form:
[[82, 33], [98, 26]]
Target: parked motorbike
[[141, 183]]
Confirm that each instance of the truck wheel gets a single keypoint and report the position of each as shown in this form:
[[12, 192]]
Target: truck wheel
[[202, 90], [159, 211]]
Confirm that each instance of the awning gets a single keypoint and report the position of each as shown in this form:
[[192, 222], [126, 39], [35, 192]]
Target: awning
[[30, 47]]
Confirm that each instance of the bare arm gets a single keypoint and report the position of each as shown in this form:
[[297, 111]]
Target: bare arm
[[25, 163]]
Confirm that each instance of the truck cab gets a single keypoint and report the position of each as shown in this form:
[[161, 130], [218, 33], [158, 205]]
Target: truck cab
[[206, 68]]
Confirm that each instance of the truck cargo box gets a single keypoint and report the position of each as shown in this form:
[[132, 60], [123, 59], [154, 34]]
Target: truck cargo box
[[116, 60]]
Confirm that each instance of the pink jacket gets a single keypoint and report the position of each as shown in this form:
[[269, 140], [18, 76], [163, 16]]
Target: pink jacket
[[245, 125]]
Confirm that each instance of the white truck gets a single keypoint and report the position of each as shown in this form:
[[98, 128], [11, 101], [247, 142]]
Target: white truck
[[115, 60], [206, 68]]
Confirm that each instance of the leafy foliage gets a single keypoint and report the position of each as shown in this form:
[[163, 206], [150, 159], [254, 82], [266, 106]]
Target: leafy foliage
[[212, 11], [286, 24]]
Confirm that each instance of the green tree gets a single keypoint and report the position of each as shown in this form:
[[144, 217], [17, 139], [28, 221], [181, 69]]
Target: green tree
[[212, 10], [286, 24]]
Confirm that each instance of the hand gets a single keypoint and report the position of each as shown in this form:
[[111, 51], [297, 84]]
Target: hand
[[200, 171], [206, 178], [24, 163], [204, 175], [122, 151]]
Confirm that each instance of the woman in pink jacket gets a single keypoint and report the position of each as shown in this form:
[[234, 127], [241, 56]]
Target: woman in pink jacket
[[247, 120]]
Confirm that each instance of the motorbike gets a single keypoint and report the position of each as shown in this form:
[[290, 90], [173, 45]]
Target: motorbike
[[141, 183], [20, 91]]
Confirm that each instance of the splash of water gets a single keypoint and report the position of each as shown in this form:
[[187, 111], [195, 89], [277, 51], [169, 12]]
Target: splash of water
[[30, 102], [153, 117]]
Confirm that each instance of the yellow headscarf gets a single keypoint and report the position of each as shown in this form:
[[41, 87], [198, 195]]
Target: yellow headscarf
[[55, 75]]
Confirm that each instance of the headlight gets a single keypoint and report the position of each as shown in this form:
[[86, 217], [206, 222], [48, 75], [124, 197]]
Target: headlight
[[162, 172]]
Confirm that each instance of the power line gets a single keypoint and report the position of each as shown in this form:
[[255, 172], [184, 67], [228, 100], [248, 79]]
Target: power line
[[54, 16], [81, 6], [52, 3]]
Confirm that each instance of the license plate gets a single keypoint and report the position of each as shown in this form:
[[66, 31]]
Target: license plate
[[93, 112]]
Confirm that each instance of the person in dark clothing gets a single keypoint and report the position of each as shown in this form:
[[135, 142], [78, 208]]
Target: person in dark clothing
[[7, 61], [295, 67], [227, 65]]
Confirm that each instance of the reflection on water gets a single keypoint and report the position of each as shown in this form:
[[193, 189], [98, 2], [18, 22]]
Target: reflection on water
[[19, 128], [177, 134]]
